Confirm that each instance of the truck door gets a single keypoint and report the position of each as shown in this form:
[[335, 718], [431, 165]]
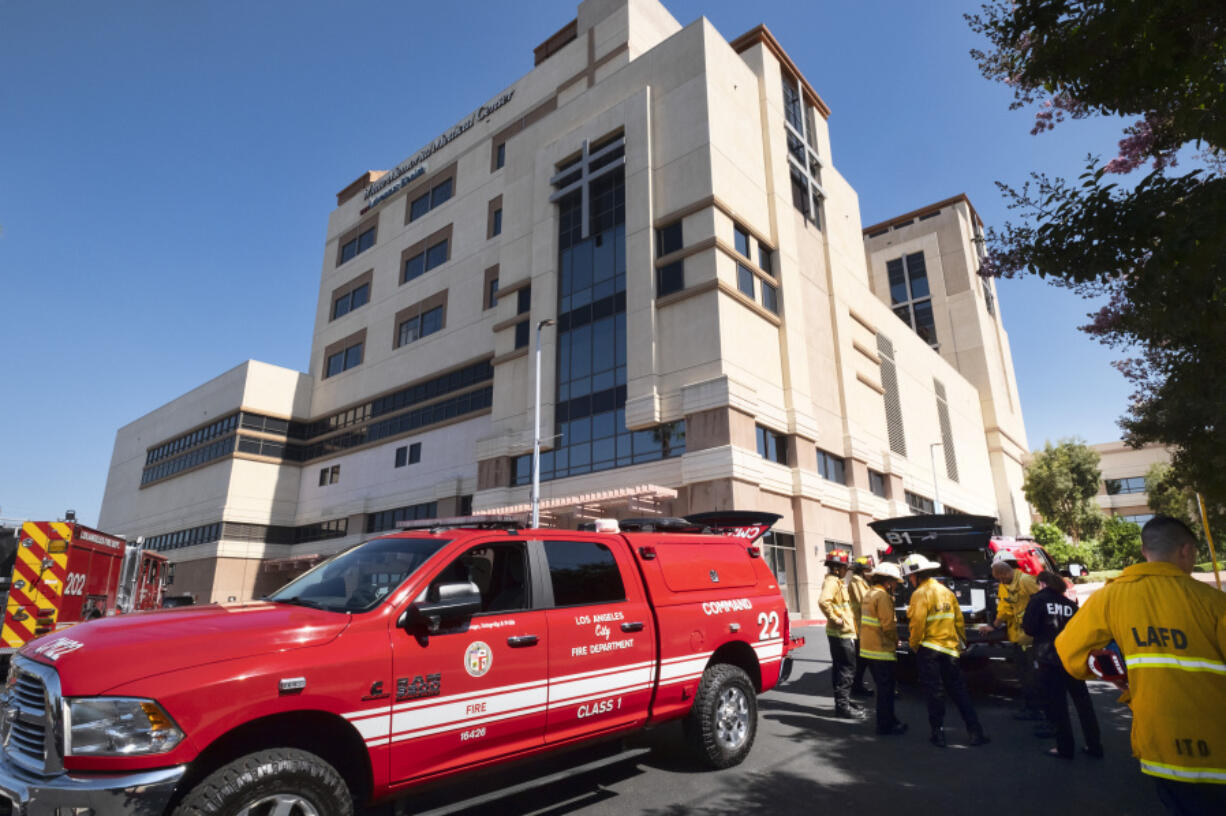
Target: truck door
[[476, 690], [602, 640]]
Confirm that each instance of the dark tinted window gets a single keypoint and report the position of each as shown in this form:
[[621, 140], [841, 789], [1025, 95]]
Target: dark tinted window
[[521, 334], [668, 239], [742, 240], [744, 280], [432, 321], [440, 193], [401, 454], [670, 279], [366, 240], [414, 267], [500, 572], [414, 453], [770, 297], [898, 281], [583, 573], [420, 207], [523, 301], [502, 155], [876, 483], [436, 255]]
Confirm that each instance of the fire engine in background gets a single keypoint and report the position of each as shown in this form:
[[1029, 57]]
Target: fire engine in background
[[64, 573]]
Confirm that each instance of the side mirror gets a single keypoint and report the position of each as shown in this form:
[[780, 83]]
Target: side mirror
[[444, 603], [1076, 570]]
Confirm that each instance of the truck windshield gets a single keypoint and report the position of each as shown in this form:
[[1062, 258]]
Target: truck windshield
[[358, 579]]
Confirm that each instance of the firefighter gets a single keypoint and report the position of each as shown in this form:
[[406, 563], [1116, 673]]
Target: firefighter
[[857, 588], [938, 635], [841, 633], [878, 641], [1047, 614], [1013, 594], [1171, 630]]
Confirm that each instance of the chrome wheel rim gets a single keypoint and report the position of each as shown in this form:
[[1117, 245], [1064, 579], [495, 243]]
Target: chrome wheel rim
[[732, 718], [280, 804]]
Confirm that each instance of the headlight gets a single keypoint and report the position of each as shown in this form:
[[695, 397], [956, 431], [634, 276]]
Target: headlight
[[118, 726]]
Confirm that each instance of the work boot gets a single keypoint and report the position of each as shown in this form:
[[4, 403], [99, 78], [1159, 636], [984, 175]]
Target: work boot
[[938, 737], [848, 712], [978, 738]]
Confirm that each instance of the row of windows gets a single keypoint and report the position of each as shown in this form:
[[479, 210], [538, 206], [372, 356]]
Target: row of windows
[[356, 246], [405, 397], [920, 505], [601, 442], [261, 447], [1131, 484], [344, 360], [203, 534], [329, 475], [803, 164], [351, 300], [773, 447], [433, 256], [265, 533], [408, 454], [1139, 519], [669, 278], [221, 427], [387, 519], [523, 305], [266, 424], [430, 199], [746, 281], [831, 467], [197, 456]]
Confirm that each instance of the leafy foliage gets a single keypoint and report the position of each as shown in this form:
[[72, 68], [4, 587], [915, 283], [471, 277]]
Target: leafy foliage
[[1061, 482], [1061, 549], [1119, 544], [1155, 252]]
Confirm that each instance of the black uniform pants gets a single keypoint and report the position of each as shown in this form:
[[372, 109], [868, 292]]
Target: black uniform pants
[[937, 669], [1055, 683], [857, 681], [1190, 799], [883, 679], [842, 667], [1032, 696]]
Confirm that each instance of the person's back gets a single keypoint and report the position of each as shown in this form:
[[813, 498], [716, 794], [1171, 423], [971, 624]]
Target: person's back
[[1171, 630]]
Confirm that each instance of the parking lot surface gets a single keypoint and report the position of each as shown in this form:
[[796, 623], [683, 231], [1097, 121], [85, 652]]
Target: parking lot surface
[[806, 762]]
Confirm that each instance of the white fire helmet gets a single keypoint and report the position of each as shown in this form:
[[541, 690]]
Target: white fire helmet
[[1005, 557], [888, 569], [915, 563]]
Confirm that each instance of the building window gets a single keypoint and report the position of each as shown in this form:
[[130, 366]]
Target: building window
[[329, 475], [770, 297], [496, 223], [766, 259], [772, 446], [1131, 484], [351, 300], [804, 164], [414, 453], [423, 262], [357, 245], [1139, 519], [989, 300], [419, 326], [876, 484], [408, 454], [427, 201], [669, 278], [910, 295], [744, 281], [500, 155], [831, 467], [344, 360], [402, 456], [491, 293], [523, 300], [740, 238], [388, 519], [919, 505], [522, 334]]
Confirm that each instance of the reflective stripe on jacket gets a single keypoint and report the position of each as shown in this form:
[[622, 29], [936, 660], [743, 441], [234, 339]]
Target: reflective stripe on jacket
[[936, 619], [1012, 599], [837, 608], [1171, 630], [857, 589], [878, 625]]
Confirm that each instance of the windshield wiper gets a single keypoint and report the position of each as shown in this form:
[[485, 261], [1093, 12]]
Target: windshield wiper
[[298, 600]]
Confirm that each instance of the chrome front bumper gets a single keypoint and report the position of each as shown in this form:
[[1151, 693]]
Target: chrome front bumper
[[146, 793]]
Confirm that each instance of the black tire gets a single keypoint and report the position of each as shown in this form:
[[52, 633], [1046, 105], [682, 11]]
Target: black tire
[[723, 723], [252, 784]]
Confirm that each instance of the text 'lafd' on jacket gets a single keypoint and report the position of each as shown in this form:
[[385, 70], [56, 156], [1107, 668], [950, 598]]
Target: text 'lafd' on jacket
[[836, 606], [857, 588], [1171, 630], [936, 619], [1012, 599], [878, 626]]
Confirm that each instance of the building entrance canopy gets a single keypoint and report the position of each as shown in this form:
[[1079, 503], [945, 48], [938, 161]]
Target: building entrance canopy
[[638, 500]]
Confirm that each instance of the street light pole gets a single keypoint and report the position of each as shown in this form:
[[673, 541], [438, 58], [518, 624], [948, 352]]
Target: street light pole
[[936, 488], [536, 442]]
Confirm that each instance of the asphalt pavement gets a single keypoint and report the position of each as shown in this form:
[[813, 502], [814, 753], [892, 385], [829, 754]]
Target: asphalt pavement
[[806, 762]]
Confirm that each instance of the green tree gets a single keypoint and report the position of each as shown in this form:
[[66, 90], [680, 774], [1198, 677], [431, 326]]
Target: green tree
[[1119, 543], [1061, 549], [1061, 482], [1167, 496], [1153, 251]]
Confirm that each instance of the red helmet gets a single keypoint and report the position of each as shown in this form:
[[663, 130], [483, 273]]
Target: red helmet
[[864, 563], [838, 558]]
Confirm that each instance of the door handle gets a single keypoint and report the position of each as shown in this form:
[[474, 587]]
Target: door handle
[[520, 641], [636, 626]]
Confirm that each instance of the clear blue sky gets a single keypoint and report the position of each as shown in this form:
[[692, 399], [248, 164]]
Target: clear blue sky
[[166, 172]]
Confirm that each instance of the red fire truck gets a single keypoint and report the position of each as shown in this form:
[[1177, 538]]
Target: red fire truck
[[64, 573], [415, 656]]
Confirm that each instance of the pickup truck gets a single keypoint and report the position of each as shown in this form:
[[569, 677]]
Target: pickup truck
[[964, 546], [412, 657]]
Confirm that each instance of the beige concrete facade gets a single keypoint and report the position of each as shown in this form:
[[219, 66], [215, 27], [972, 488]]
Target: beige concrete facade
[[1119, 493], [826, 367]]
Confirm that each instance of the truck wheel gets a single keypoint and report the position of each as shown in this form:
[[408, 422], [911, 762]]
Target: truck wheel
[[283, 781], [724, 720]]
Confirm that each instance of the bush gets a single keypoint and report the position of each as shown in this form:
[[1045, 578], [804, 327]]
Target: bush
[[1119, 545], [1061, 549]]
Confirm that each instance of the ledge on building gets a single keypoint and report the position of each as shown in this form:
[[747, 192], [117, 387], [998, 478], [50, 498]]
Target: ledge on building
[[556, 42], [922, 211], [761, 34], [358, 184]]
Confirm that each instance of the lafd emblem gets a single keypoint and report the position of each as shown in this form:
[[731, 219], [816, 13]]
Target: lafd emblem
[[478, 658]]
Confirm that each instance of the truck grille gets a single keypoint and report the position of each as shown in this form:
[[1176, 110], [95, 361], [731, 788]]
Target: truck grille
[[30, 707]]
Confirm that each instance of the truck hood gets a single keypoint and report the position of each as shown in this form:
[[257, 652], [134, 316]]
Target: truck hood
[[100, 655]]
